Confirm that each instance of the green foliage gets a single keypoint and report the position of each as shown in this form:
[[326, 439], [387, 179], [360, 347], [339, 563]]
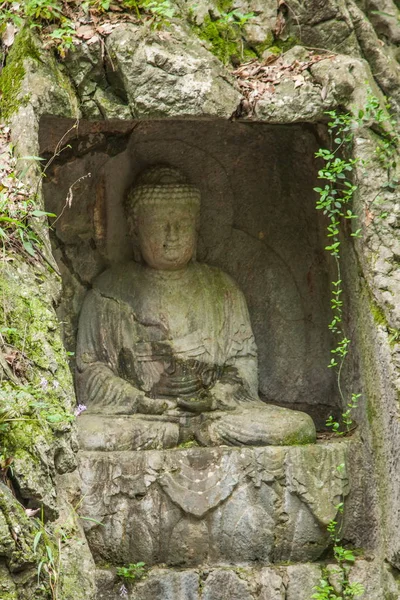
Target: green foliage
[[13, 73], [225, 34], [159, 8], [42, 10], [17, 206], [344, 559], [133, 571], [26, 403], [188, 444], [63, 36], [20, 229], [48, 566], [335, 201]]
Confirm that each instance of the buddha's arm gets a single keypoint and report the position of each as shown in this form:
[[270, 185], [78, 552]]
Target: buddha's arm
[[239, 381], [99, 385]]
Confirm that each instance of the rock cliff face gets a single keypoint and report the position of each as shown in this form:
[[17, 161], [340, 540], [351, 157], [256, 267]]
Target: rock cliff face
[[187, 72]]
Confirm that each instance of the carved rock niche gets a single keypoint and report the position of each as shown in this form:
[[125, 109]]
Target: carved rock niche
[[187, 507], [258, 224]]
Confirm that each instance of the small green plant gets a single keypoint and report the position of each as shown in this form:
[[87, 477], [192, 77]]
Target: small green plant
[[42, 10], [188, 444], [234, 16], [224, 33], [335, 201], [64, 37], [346, 417], [133, 571], [17, 205], [48, 557], [99, 5], [344, 559], [159, 8]]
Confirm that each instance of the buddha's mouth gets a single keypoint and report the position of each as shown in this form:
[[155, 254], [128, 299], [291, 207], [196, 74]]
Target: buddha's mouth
[[172, 247]]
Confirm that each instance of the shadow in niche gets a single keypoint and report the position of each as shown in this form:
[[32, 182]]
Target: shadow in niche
[[258, 223]]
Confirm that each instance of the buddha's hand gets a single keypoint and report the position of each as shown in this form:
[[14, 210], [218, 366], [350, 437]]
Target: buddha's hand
[[196, 405], [225, 395], [153, 406]]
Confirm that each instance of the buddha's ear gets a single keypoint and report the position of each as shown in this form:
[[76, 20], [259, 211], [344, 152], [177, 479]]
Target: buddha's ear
[[134, 236], [198, 221]]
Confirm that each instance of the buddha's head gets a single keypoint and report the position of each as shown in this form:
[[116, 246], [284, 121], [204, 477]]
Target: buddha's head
[[163, 209]]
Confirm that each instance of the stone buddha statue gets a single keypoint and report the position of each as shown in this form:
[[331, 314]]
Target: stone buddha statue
[[166, 353]]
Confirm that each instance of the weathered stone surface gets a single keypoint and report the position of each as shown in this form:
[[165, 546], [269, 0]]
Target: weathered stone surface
[[170, 74], [76, 562], [323, 24], [8, 589], [301, 581], [185, 507], [384, 16], [272, 584], [384, 66], [293, 582], [336, 80], [17, 532], [220, 585], [288, 104], [43, 89]]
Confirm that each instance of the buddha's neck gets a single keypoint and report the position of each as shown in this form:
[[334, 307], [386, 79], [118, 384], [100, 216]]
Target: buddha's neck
[[167, 274]]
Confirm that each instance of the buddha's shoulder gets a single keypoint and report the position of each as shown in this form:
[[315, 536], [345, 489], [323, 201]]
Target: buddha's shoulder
[[116, 278], [216, 276]]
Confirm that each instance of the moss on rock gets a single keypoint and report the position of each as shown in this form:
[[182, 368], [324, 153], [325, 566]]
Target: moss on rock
[[225, 40], [12, 75]]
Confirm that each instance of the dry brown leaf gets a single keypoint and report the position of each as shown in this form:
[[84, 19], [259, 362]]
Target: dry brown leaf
[[95, 38], [369, 217], [106, 28], [164, 36], [279, 25], [85, 32], [9, 34]]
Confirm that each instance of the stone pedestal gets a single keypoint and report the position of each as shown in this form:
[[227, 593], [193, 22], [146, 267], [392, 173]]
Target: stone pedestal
[[218, 506]]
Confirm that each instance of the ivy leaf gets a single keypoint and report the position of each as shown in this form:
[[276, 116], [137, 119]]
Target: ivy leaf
[[28, 247], [42, 213]]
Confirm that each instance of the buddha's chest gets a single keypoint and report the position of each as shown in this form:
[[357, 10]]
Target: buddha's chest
[[170, 311]]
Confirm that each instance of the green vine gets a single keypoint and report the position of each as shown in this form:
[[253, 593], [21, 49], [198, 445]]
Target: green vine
[[335, 200], [342, 589]]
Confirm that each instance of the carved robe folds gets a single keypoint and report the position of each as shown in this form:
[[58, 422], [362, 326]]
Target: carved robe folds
[[147, 337]]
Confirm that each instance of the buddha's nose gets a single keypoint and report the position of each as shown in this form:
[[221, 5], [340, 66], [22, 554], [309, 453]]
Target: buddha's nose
[[172, 233]]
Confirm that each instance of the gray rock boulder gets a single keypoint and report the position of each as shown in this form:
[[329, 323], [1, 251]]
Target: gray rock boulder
[[170, 74]]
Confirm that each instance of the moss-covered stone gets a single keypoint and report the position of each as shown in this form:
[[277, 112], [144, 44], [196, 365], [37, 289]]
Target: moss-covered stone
[[36, 416], [13, 73], [378, 314], [265, 45], [8, 589], [225, 39], [280, 46]]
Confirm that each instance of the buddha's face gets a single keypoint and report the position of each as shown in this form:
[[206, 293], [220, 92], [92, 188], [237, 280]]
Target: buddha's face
[[167, 235]]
